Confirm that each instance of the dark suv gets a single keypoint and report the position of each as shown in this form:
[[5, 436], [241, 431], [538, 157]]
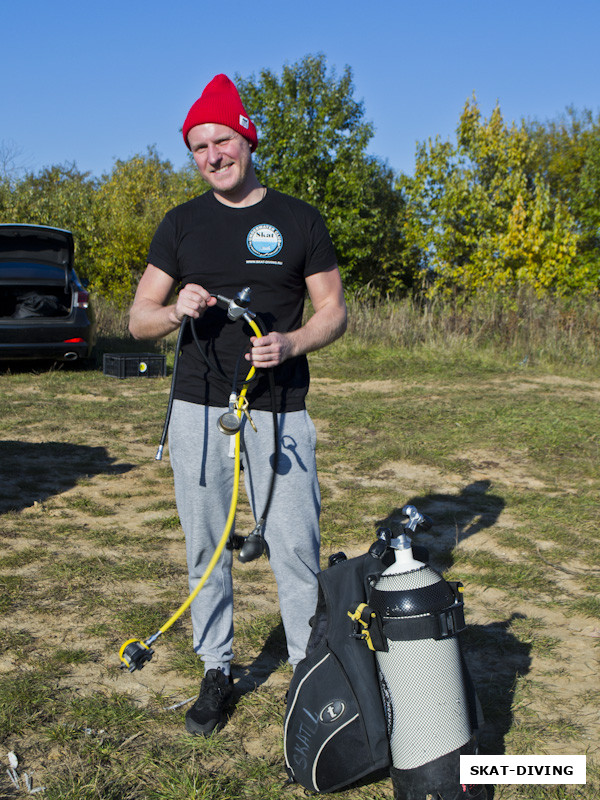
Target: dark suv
[[45, 310]]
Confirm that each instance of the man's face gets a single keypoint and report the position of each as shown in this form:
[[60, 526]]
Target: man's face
[[222, 156]]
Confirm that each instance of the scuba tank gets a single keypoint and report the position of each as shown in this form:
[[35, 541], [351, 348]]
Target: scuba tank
[[383, 685], [427, 695]]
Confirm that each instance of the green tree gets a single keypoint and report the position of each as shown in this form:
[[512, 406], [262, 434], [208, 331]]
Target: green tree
[[10, 167], [112, 218], [312, 145], [569, 158], [128, 206], [59, 196], [481, 216]]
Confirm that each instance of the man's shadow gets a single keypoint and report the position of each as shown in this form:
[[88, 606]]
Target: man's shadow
[[495, 659], [455, 517], [33, 471], [272, 655]]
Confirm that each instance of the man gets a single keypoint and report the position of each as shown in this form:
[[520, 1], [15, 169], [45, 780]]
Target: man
[[238, 234]]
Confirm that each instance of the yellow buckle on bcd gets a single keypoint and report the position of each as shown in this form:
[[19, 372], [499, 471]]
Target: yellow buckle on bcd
[[363, 616]]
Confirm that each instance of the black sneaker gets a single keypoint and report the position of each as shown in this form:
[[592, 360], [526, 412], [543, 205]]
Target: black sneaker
[[207, 713]]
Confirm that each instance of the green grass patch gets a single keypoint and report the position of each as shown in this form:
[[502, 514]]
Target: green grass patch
[[15, 642], [21, 558], [27, 700], [88, 506], [252, 633], [11, 592], [493, 432], [170, 523], [487, 569], [103, 567], [113, 711], [588, 606], [65, 656]]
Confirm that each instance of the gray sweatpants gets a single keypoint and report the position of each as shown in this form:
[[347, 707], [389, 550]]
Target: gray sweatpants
[[203, 470]]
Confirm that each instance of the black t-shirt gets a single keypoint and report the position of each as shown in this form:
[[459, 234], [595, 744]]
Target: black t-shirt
[[271, 247]]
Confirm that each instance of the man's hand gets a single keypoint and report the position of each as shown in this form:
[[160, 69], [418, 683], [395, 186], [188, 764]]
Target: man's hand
[[150, 316], [326, 324], [192, 301], [270, 350]]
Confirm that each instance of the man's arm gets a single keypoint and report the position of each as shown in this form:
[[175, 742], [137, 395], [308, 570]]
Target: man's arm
[[151, 316], [326, 325]]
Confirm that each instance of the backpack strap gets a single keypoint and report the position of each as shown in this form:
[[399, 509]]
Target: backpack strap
[[375, 630], [368, 627]]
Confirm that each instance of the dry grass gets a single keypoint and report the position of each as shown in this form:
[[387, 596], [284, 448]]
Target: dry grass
[[501, 453], [546, 330]]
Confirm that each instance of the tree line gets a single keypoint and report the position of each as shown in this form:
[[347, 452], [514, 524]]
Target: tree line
[[504, 206]]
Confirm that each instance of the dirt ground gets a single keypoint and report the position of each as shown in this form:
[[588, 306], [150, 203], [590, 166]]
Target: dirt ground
[[535, 691]]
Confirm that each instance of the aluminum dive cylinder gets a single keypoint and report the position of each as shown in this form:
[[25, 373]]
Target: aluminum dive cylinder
[[422, 679]]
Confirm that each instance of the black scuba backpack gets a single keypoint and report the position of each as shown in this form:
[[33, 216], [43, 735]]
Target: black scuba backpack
[[335, 729]]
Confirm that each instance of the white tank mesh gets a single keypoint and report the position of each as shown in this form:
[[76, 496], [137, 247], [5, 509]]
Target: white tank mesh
[[423, 689], [406, 581], [429, 704]]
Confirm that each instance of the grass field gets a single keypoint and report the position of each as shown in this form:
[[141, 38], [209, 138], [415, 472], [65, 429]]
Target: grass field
[[499, 445]]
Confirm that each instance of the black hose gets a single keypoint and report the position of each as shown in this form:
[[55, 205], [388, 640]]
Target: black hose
[[275, 465], [272, 393], [209, 362], [203, 352], [163, 438]]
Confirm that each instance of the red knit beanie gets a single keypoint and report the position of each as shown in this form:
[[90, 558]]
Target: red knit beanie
[[220, 103]]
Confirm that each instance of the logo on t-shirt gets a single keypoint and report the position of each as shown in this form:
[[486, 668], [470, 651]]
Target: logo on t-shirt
[[264, 241]]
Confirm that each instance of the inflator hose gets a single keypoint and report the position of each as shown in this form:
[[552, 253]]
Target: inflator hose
[[165, 429], [230, 518], [232, 508]]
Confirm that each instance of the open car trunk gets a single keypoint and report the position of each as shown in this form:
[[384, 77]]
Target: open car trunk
[[37, 244], [35, 267], [44, 308], [27, 301]]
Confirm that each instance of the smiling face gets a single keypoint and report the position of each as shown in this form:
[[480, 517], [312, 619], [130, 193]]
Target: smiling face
[[224, 160]]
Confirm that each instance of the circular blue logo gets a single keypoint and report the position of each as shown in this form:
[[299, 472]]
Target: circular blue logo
[[264, 241]]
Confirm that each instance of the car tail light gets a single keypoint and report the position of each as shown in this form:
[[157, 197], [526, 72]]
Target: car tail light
[[78, 340], [82, 300]]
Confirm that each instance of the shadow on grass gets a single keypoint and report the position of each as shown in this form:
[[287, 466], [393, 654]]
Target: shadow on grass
[[272, 655], [455, 517], [496, 659], [33, 471]]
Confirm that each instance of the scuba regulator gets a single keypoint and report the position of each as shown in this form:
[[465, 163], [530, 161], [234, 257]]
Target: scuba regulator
[[134, 653]]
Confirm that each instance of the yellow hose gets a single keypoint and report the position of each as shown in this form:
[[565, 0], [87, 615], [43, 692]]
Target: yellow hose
[[232, 508]]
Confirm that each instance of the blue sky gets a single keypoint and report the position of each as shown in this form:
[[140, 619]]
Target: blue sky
[[90, 83]]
